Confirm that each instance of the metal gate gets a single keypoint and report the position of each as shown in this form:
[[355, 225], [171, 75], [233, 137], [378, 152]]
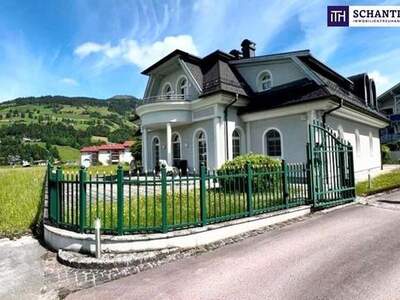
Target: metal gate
[[330, 161]]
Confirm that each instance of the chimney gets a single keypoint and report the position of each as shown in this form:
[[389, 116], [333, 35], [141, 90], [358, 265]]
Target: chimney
[[248, 48], [235, 53]]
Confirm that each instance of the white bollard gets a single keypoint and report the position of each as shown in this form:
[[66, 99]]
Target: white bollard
[[97, 226]]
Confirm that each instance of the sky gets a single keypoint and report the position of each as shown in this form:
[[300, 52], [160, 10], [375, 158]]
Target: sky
[[97, 48]]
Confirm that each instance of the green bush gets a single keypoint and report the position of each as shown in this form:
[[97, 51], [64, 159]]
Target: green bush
[[233, 173], [385, 150], [256, 160]]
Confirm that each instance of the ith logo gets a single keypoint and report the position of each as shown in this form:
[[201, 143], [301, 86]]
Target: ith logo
[[338, 16]]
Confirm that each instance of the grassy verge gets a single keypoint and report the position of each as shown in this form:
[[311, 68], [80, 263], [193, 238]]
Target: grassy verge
[[379, 184], [111, 169], [182, 208], [20, 199]]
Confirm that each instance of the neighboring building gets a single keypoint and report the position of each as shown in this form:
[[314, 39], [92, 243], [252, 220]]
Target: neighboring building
[[107, 154], [214, 108], [389, 105]]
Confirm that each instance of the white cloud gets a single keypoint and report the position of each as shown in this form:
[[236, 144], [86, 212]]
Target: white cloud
[[131, 51], [89, 48], [69, 81], [382, 82]]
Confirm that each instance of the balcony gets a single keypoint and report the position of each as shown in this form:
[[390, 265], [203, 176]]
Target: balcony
[[163, 99]]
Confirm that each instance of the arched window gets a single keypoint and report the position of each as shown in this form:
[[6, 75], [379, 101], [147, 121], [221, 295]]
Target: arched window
[[167, 90], [235, 143], [273, 143], [202, 148], [176, 148], [264, 81], [155, 151], [357, 136], [182, 87], [371, 144]]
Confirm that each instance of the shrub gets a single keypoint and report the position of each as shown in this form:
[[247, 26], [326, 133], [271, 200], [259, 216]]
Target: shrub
[[233, 176]]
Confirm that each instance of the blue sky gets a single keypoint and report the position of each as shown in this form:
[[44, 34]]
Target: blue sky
[[98, 48]]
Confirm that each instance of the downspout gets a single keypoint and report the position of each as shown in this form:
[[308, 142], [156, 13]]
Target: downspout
[[226, 124], [330, 111]]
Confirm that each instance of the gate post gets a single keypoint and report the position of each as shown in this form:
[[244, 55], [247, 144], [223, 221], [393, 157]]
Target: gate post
[[82, 199], [164, 226], [285, 191], [249, 188], [120, 200], [203, 192]]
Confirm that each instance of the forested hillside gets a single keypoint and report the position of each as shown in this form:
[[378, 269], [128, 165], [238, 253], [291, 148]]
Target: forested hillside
[[36, 127]]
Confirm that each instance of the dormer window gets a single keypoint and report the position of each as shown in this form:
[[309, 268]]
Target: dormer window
[[182, 86], [264, 82], [167, 90]]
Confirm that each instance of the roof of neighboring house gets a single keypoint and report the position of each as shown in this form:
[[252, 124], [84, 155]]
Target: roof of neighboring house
[[105, 147], [394, 90]]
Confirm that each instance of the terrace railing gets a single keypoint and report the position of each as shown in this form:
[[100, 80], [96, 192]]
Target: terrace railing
[[161, 203], [163, 98]]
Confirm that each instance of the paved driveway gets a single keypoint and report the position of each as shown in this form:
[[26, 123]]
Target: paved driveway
[[350, 253]]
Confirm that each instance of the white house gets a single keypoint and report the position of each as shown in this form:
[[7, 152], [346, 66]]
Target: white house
[[106, 154], [214, 108]]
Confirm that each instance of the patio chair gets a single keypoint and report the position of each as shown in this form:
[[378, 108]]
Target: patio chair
[[171, 171]]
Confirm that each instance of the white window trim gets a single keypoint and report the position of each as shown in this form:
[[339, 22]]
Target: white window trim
[[264, 142], [357, 142], [152, 150], [258, 82], [178, 84], [164, 86], [371, 144], [340, 132], [180, 142], [195, 150], [242, 141]]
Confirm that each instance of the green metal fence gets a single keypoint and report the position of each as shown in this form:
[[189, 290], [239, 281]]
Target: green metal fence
[[134, 204]]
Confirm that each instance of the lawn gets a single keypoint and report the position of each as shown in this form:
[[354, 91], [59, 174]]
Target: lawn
[[20, 199], [111, 169], [68, 153], [379, 183]]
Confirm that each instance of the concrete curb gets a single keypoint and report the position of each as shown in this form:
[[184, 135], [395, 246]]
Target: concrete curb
[[58, 238]]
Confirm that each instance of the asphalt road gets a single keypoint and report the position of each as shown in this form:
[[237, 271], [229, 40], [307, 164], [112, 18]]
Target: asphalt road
[[350, 253], [21, 268]]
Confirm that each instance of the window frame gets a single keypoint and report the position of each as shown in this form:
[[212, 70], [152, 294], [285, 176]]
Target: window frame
[[176, 134], [260, 83], [237, 139], [265, 142], [179, 84], [154, 161]]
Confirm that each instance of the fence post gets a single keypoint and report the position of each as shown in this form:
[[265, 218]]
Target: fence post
[[249, 188], [120, 200], [52, 196], [82, 199], [164, 199], [57, 207], [284, 184], [203, 193]]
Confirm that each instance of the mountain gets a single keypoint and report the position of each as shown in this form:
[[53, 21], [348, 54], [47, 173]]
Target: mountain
[[80, 112]]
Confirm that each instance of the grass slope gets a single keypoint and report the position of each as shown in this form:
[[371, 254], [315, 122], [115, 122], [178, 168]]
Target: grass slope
[[68, 153], [380, 183], [20, 199]]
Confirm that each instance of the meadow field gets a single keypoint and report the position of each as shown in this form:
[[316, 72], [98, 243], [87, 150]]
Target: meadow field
[[21, 191]]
